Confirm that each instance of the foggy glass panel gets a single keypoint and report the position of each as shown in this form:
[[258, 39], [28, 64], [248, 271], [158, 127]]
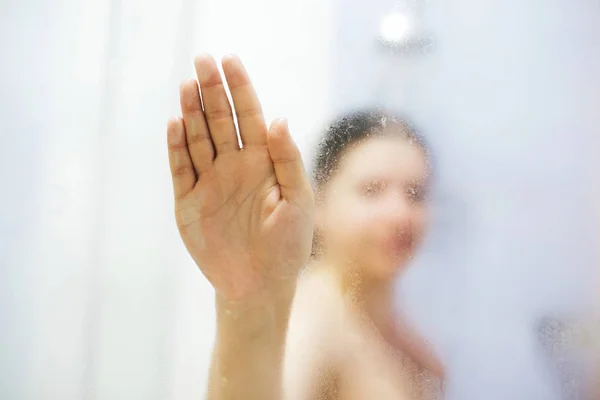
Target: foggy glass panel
[[101, 300]]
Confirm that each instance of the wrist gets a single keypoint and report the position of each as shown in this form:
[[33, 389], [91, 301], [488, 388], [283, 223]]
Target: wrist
[[249, 347], [263, 314]]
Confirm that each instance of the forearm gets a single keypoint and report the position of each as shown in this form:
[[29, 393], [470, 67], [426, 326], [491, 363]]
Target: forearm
[[248, 353]]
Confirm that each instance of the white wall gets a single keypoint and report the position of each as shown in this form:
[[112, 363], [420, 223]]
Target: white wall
[[99, 298]]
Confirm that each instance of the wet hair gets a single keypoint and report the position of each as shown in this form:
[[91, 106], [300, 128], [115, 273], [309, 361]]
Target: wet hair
[[354, 128]]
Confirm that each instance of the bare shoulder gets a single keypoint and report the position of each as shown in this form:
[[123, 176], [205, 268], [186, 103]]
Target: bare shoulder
[[316, 309]]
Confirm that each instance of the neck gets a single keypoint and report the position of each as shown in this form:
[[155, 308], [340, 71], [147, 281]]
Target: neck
[[368, 294]]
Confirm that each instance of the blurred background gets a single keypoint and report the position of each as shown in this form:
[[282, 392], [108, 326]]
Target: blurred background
[[99, 299]]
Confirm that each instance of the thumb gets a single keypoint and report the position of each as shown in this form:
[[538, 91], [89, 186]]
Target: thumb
[[287, 161]]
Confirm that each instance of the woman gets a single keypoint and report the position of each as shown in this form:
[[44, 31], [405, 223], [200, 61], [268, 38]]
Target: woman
[[371, 179], [246, 216]]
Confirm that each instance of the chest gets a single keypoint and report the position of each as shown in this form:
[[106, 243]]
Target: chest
[[371, 369]]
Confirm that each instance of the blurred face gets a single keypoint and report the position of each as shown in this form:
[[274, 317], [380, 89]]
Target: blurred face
[[374, 209]]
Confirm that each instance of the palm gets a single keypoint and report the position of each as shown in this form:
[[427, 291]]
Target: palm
[[242, 225]]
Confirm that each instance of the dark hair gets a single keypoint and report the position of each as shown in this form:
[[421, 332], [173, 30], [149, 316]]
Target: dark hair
[[354, 128]]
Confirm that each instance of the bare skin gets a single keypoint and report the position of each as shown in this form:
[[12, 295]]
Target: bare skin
[[345, 340], [233, 207], [594, 389], [246, 216], [337, 350], [595, 386]]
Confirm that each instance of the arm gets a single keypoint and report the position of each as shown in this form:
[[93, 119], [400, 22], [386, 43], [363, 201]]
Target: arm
[[246, 218], [415, 346], [593, 389], [401, 335], [248, 350]]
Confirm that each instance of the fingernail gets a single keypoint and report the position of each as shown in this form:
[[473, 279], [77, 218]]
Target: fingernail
[[232, 61], [231, 57], [203, 64], [283, 122]]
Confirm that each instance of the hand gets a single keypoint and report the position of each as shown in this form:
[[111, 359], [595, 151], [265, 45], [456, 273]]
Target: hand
[[246, 215]]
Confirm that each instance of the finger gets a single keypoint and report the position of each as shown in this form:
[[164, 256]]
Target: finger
[[217, 109], [199, 143], [287, 161], [251, 121], [182, 169]]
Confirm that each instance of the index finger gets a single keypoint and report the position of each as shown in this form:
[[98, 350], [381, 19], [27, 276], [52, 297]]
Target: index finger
[[253, 129]]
